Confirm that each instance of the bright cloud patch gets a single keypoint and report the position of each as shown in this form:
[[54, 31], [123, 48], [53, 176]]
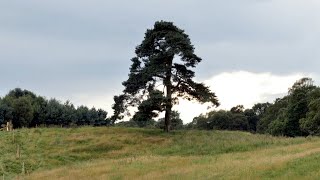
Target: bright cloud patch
[[245, 88]]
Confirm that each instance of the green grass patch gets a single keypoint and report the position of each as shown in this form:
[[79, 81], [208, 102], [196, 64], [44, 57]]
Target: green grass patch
[[49, 148], [306, 167]]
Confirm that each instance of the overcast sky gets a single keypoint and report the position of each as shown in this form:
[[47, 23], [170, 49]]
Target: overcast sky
[[80, 50]]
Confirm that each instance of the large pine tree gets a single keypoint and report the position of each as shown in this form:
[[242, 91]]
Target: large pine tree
[[165, 56]]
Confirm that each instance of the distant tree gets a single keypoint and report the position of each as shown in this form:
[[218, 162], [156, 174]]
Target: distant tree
[[6, 110], [39, 111], [102, 119], [252, 119], [311, 123], [253, 115], [237, 109], [228, 120], [304, 83], [23, 112], [38, 104], [154, 64], [93, 116], [176, 122], [298, 105], [55, 112], [199, 122], [260, 108], [69, 114], [83, 116], [222, 120], [271, 114], [278, 127], [17, 92], [239, 122]]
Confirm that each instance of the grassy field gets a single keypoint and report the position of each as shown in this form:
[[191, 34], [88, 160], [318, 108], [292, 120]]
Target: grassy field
[[128, 153]]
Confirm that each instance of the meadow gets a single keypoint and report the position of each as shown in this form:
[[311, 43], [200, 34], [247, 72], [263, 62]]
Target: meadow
[[133, 153]]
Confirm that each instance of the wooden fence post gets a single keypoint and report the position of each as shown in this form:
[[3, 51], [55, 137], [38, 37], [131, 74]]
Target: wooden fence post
[[23, 170], [18, 151], [13, 137]]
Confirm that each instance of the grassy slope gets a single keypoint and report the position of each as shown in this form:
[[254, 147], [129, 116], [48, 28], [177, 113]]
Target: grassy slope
[[124, 153]]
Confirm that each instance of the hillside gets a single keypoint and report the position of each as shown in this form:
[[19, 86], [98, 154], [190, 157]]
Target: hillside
[[127, 153]]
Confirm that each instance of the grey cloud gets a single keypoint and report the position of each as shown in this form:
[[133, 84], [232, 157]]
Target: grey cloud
[[80, 44]]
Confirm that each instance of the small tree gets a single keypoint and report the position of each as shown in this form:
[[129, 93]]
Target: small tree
[[165, 56], [23, 112]]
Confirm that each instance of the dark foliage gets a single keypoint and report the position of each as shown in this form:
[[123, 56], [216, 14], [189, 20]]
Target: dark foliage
[[25, 109], [296, 114], [222, 120], [154, 64]]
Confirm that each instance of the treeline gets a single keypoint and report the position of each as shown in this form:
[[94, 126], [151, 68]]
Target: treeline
[[148, 122], [237, 118], [296, 114], [25, 109]]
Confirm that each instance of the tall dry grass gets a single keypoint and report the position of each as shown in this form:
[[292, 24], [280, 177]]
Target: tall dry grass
[[128, 153]]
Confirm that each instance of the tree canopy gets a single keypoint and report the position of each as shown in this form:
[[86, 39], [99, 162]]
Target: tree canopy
[[296, 114], [26, 109], [165, 57]]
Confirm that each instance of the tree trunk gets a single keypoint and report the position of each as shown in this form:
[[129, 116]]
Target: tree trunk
[[167, 119], [168, 84]]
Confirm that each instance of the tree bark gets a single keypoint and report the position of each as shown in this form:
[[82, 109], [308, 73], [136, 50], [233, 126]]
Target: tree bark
[[167, 118], [168, 84]]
